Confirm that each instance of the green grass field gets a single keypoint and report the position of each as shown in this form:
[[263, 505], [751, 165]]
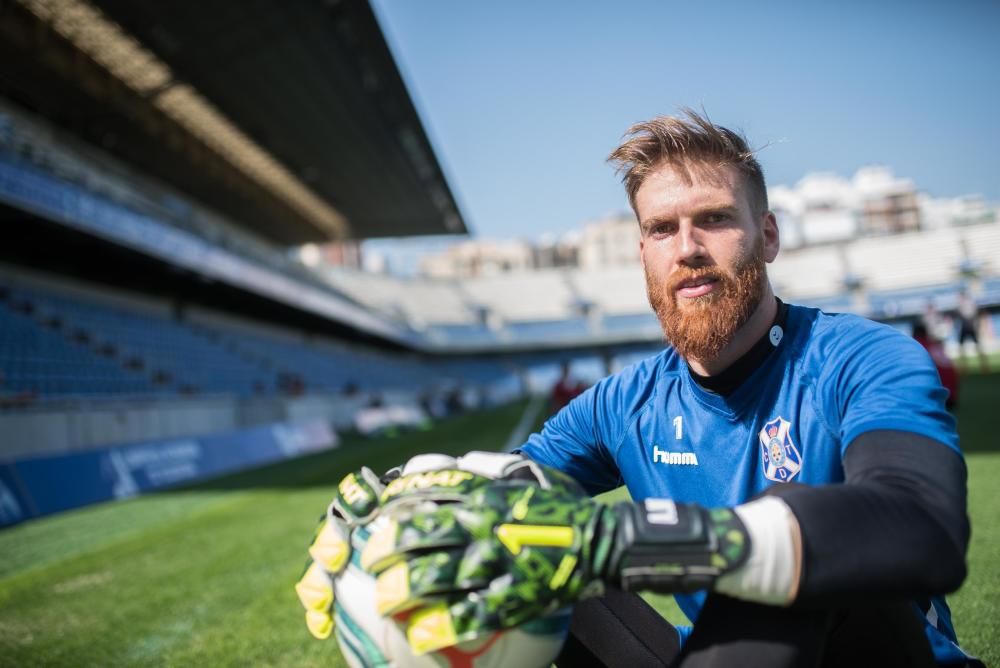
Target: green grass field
[[203, 576]]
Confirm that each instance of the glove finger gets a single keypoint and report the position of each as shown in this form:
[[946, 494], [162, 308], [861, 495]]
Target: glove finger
[[474, 615], [315, 592], [406, 584], [421, 579], [331, 547], [357, 497], [446, 624], [328, 553], [419, 532]]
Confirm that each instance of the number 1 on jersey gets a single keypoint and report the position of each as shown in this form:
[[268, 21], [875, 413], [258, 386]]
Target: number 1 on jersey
[[678, 427]]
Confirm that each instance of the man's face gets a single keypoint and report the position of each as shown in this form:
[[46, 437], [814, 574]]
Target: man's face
[[703, 249]]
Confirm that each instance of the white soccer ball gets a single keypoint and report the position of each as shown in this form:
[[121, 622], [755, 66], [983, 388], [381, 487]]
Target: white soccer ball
[[367, 640]]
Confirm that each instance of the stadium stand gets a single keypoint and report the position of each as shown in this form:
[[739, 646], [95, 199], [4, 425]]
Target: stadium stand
[[380, 293], [615, 291], [808, 273], [982, 245], [632, 323], [520, 297], [60, 347], [559, 328], [911, 302], [844, 303], [38, 361], [906, 260], [461, 336], [419, 302]]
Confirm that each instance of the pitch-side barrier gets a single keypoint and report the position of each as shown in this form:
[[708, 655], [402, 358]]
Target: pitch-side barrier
[[33, 487]]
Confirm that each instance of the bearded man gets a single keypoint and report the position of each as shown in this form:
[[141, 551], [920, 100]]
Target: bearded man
[[796, 480], [827, 434]]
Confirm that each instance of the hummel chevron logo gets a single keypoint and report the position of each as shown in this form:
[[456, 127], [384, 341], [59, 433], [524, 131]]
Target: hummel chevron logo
[[679, 458], [661, 511]]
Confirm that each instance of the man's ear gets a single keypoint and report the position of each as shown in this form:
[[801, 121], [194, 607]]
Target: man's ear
[[772, 239]]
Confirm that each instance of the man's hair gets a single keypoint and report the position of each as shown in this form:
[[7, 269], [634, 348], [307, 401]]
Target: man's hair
[[681, 141]]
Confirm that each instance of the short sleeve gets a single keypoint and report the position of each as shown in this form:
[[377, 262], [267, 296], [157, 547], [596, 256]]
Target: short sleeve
[[572, 443], [882, 379]]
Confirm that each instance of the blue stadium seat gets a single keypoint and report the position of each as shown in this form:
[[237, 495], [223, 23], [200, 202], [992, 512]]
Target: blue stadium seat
[[56, 347]]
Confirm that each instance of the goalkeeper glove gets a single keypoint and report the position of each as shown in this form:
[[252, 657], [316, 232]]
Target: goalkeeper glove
[[356, 505], [492, 556], [355, 502]]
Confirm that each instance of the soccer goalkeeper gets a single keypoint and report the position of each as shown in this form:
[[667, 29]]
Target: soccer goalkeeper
[[797, 480]]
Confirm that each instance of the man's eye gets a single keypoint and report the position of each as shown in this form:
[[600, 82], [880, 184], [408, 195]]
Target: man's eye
[[660, 230], [716, 217]]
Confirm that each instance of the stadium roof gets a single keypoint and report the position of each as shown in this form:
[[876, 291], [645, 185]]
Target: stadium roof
[[291, 118]]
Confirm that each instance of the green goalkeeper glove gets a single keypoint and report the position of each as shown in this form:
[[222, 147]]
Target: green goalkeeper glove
[[354, 512], [494, 554], [355, 502]]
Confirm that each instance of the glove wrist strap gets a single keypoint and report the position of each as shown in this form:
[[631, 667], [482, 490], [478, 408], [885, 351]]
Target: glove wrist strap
[[666, 546]]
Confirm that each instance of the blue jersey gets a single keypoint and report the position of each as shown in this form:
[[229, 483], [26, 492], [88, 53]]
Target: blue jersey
[[830, 379]]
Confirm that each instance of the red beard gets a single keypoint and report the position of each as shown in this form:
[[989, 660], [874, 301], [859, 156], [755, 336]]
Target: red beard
[[705, 325]]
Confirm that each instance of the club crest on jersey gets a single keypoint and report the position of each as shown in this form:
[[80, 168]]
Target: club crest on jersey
[[781, 458]]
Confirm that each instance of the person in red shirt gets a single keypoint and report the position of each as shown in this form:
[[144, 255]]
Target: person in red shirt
[[565, 390], [945, 367]]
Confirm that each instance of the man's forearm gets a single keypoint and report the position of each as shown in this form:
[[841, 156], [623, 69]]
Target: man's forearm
[[898, 527]]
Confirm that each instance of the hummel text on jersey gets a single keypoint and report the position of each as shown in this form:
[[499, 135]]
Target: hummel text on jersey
[[681, 458]]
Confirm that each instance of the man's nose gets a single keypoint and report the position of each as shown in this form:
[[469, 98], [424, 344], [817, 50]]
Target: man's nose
[[689, 247]]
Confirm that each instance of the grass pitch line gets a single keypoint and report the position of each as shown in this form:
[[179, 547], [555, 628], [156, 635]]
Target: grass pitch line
[[528, 418]]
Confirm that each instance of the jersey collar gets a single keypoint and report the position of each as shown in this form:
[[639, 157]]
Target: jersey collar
[[730, 380]]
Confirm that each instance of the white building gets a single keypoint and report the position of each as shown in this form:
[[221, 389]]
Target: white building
[[821, 208], [826, 208], [610, 242], [473, 258], [889, 205]]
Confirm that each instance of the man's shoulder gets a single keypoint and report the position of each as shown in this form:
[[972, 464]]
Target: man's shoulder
[[829, 341], [633, 385], [831, 332], [647, 369]]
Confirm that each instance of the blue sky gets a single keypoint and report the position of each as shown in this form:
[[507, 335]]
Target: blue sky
[[524, 100]]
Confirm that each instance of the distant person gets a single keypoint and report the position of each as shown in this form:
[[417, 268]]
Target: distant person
[[933, 322], [565, 389], [968, 326], [945, 367], [454, 405]]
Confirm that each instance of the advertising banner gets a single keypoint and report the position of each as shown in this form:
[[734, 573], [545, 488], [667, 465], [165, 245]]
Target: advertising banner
[[36, 486]]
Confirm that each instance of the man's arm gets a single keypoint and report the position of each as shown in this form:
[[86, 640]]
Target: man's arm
[[898, 526], [573, 441]]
